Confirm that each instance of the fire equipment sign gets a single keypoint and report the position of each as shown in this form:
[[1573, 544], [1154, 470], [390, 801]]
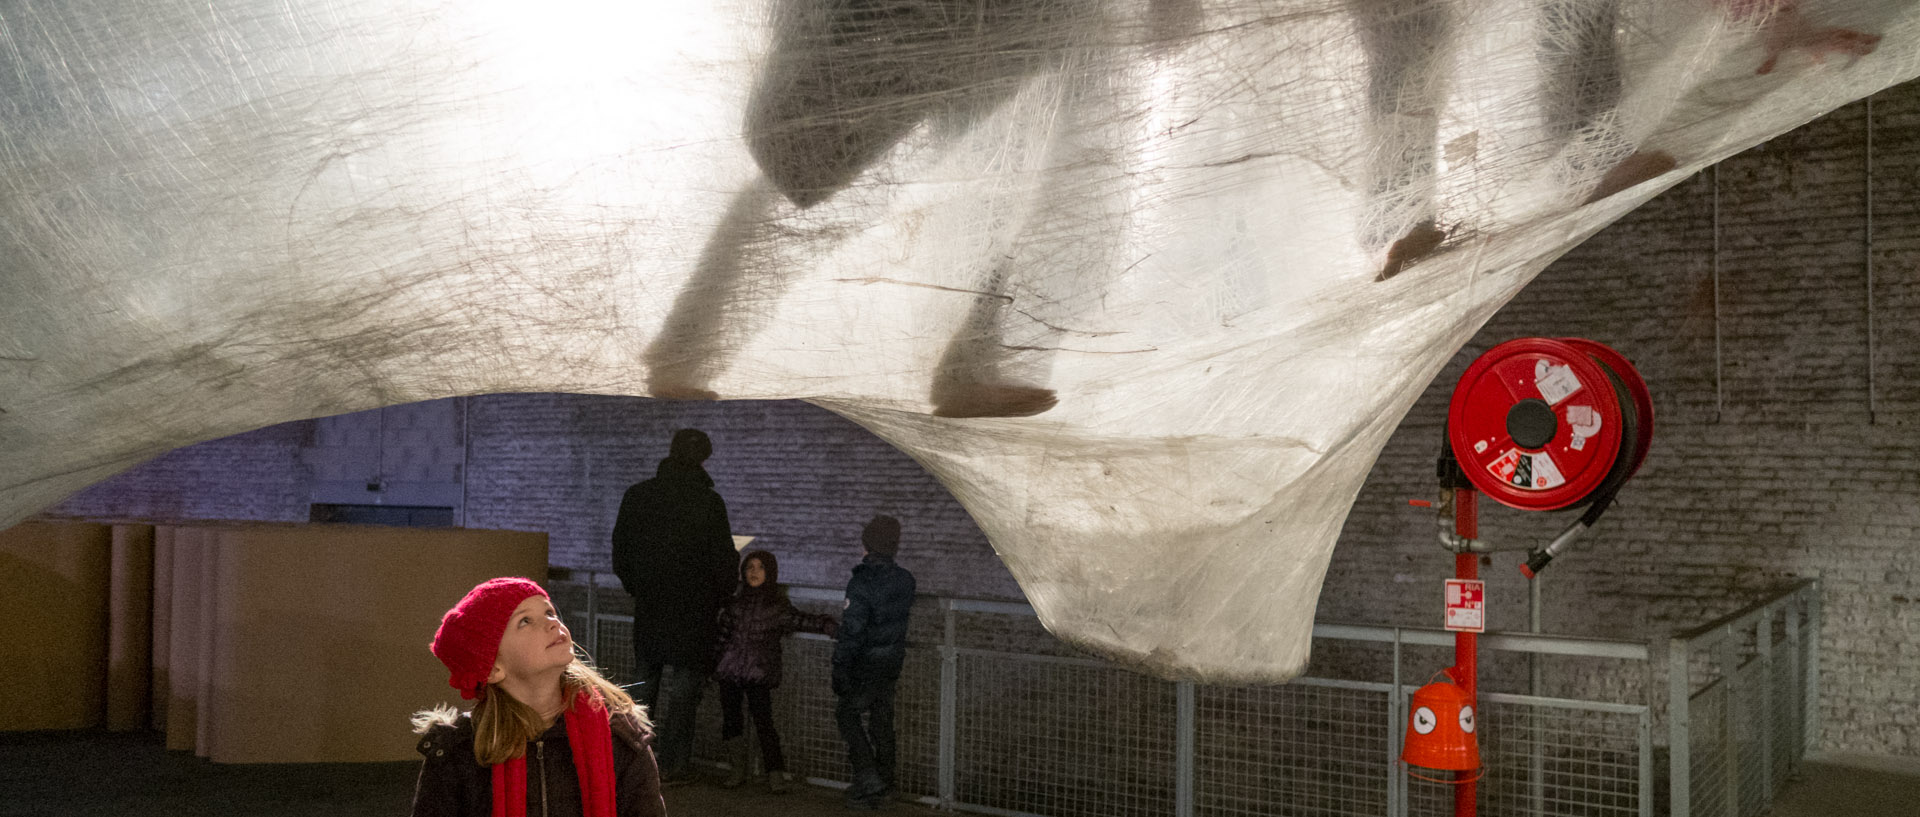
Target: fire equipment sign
[[1467, 605]]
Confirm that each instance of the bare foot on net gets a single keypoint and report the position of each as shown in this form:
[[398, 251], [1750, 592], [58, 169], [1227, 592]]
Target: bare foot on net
[[990, 400], [1788, 31], [669, 390], [1639, 167], [1418, 243]]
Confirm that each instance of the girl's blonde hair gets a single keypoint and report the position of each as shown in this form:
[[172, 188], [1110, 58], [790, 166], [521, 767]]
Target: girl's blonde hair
[[503, 726]]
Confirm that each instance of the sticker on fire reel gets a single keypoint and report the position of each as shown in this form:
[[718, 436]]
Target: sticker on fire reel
[[1467, 605], [1583, 420], [1505, 465], [1532, 471], [1555, 383], [1545, 474]]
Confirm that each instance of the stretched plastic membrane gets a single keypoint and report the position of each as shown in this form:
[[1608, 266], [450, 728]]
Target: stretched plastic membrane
[[1146, 283]]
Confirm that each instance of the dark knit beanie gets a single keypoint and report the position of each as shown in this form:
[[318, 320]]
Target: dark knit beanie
[[468, 640], [690, 444], [881, 536]]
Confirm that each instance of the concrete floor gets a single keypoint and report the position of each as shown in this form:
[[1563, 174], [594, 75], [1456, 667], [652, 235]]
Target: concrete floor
[[93, 774], [1851, 786], [97, 774]]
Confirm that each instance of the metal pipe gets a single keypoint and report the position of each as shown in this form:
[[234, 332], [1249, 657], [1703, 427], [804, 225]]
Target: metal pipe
[[1504, 642], [1716, 629], [1536, 760], [1719, 395], [1873, 403], [1466, 522]]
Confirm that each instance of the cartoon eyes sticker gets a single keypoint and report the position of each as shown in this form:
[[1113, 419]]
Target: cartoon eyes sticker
[[1466, 720], [1423, 720]]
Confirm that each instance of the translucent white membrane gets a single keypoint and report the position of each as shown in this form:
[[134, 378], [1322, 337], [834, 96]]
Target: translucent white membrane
[[1146, 283]]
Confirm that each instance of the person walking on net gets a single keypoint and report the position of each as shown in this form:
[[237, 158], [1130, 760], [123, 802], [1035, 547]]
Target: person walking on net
[[673, 551], [868, 653]]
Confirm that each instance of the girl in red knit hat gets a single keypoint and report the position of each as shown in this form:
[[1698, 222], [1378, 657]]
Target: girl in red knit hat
[[547, 735]]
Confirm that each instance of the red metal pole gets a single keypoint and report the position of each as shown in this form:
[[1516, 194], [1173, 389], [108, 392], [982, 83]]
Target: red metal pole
[[1466, 523]]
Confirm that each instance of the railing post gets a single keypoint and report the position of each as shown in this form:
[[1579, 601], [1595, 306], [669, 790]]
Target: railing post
[[1814, 625], [1797, 695], [593, 616], [1763, 642], [1396, 726], [949, 707], [1679, 737], [1646, 763], [1183, 749], [1727, 655]]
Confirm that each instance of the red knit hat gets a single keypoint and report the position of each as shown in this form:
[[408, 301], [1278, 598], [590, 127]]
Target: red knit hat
[[468, 640]]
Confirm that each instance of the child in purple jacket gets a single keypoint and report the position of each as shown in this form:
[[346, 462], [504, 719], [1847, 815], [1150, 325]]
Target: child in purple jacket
[[752, 626]]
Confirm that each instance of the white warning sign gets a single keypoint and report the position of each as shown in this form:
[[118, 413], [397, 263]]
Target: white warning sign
[[1467, 605]]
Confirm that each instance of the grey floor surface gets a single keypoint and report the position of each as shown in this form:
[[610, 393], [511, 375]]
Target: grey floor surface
[[1852, 786], [95, 774]]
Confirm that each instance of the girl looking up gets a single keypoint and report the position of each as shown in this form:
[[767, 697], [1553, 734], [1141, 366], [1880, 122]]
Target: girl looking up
[[547, 735]]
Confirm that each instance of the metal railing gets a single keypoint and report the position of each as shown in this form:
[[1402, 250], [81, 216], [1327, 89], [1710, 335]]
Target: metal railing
[[1743, 704], [1034, 730]]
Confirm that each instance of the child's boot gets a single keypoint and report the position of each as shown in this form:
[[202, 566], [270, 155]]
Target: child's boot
[[777, 782], [737, 759]]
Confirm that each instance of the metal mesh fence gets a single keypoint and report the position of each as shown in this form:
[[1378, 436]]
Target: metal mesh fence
[[1115, 728], [1559, 758], [1749, 714], [804, 710], [1548, 757], [613, 654], [1037, 731], [1746, 721], [1318, 748], [1710, 748], [1788, 734]]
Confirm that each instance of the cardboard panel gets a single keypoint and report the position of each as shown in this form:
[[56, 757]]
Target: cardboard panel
[[209, 596], [53, 578], [318, 649], [183, 655], [162, 623], [129, 627]]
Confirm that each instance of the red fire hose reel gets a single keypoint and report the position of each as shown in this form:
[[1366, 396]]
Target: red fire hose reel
[[1541, 424]]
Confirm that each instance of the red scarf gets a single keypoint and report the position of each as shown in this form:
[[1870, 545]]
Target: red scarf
[[590, 735]]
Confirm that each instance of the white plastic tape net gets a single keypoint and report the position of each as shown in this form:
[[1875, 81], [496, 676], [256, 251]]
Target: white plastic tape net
[[1146, 283]]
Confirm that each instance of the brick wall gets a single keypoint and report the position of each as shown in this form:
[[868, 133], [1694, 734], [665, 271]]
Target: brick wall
[[1768, 463], [798, 478], [256, 475]]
